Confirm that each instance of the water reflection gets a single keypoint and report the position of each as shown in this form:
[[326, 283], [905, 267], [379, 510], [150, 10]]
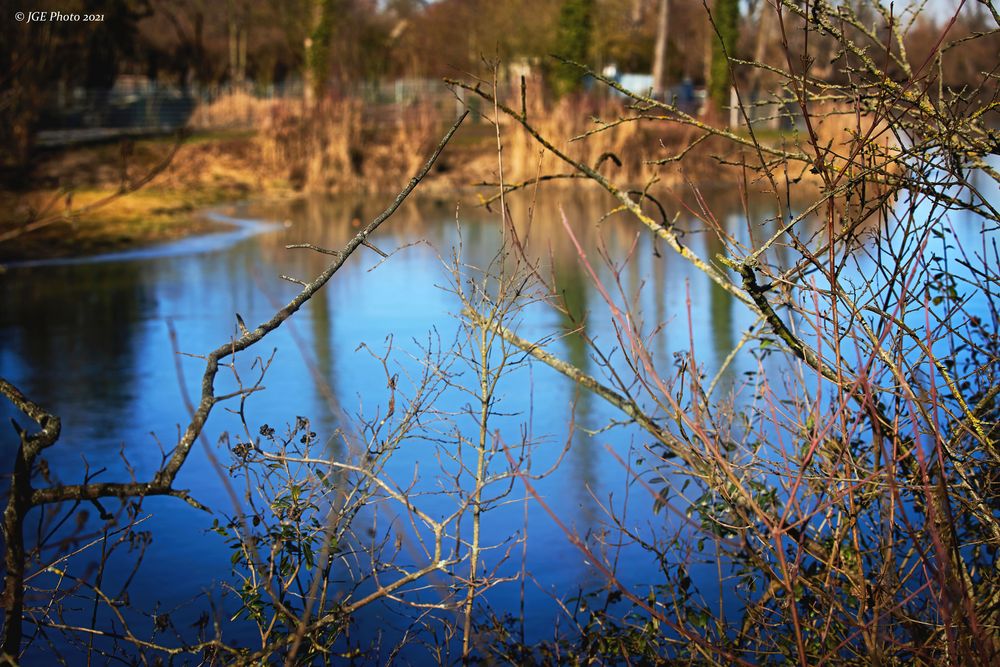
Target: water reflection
[[81, 334], [90, 342], [720, 311]]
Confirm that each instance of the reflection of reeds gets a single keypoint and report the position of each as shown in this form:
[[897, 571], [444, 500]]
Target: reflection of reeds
[[330, 220]]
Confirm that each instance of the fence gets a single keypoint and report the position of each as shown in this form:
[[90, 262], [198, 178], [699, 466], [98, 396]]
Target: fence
[[144, 108], [81, 115]]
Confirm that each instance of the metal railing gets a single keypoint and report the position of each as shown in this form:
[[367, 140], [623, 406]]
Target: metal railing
[[144, 108]]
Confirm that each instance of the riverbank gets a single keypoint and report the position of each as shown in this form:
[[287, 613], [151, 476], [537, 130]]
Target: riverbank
[[116, 196]]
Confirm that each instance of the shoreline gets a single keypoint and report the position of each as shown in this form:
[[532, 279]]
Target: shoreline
[[220, 232], [70, 194], [60, 200]]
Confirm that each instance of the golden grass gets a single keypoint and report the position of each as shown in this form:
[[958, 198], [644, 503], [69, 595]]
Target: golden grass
[[141, 218], [345, 145], [237, 109], [591, 130]]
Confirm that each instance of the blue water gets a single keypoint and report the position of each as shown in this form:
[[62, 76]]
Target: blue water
[[90, 341]]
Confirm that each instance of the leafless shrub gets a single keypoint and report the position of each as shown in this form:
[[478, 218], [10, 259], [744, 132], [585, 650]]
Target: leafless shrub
[[845, 503], [842, 492]]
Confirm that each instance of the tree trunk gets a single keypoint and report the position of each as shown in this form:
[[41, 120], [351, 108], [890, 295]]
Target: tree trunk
[[660, 54], [723, 38], [317, 50]]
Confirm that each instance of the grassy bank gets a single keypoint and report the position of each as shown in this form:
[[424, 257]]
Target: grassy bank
[[104, 197], [112, 196], [96, 198], [141, 218]]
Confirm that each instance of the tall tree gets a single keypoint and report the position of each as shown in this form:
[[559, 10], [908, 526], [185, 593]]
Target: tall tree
[[317, 47], [725, 17], [660, 54], [573, 36], [238, 25]]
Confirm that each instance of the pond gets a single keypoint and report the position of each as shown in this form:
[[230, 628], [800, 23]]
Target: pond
[[91, 341]]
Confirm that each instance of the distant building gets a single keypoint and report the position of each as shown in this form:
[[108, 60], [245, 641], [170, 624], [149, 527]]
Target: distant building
[[684, 94]]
